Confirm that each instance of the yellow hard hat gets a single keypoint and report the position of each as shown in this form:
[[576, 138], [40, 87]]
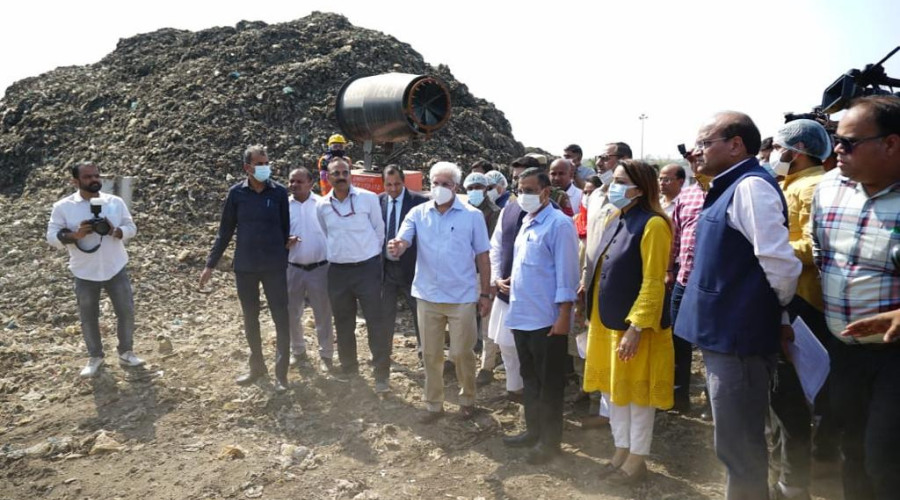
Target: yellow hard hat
[[336, 139]]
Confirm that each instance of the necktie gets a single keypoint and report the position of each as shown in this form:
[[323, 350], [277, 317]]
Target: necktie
[[392, 223]]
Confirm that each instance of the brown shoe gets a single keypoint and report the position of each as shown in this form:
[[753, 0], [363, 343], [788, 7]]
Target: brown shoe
[[431, 417], [621, 478], [594, 421], [466, 412]]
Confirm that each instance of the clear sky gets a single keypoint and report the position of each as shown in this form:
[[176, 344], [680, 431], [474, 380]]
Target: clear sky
[[561, 71]]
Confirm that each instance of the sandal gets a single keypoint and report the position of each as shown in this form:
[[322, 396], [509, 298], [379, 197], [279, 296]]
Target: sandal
[[622, 478]]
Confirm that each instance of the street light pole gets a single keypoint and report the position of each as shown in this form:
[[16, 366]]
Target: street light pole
[[642, 118]]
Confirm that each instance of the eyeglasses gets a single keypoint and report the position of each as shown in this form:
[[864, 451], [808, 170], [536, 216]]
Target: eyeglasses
[[605, 158], [352, 209], [706, 143], [848, 143], [667, 180], [340, 173]]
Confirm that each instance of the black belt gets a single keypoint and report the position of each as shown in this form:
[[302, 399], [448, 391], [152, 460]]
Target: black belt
[[309, 267], [355, 264]]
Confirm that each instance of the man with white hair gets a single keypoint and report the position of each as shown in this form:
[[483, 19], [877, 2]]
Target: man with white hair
[[497, 188], [452, 241]]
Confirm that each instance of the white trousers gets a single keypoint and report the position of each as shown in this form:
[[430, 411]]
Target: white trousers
[[510, 357], [632, 427]]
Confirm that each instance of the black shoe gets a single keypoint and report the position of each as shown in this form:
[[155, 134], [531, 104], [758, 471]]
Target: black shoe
[[541, 454], [430, 417], [484, 377], [257, 371], [682, 406], [523, 440], [281, 385], [299, 359]]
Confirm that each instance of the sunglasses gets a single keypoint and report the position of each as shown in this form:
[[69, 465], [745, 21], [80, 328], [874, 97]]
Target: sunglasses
[[848, 143], [605, 158]]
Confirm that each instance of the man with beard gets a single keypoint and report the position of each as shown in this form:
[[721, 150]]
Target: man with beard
[[98, 261], [257, 209]]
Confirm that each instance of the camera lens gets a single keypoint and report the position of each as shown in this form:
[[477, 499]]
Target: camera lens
[[100, 227]]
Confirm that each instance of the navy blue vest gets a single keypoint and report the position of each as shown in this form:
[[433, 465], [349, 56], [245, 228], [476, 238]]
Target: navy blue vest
[[728, 304], [622, 270]]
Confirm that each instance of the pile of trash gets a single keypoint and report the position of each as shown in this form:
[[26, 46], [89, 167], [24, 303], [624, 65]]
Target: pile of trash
[[176, 109]]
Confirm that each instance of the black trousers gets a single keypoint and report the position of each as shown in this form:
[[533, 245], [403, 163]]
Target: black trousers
[[393, 287], [347, 284], [865, 395], [542, 359], [826, 437], [275, 287], [791, 425], [683, 351]]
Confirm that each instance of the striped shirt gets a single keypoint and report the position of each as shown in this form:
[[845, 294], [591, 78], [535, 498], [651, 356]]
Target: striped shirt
[[853, 234], [685, 213]]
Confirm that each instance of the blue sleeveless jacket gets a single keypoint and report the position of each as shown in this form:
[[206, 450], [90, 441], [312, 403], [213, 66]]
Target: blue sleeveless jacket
[[728, 304]]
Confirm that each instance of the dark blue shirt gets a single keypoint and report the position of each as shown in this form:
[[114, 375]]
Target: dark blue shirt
[[263, 223]]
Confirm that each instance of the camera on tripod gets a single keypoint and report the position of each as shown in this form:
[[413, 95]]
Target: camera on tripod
[[98, 224]]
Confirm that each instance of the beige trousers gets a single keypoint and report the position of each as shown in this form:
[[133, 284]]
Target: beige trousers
[[433, 321]]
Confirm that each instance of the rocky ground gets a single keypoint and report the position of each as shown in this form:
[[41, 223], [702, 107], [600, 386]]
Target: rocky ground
[[180, 428]]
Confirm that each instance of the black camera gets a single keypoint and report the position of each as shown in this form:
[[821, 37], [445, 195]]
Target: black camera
[[855, 83], [98, 224]]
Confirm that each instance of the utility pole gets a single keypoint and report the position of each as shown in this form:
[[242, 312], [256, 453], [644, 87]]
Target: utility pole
[[642, 118]]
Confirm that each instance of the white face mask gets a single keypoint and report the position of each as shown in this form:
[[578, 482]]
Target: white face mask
[[441, 195], [493, 194], [606, 177], [778, 166], [530, 203]]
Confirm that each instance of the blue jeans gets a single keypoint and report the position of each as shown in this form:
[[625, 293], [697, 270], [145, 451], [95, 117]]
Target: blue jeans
[[87, 293]]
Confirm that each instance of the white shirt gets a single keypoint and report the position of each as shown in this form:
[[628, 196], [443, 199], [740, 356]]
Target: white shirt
[[305, 225], [111, 257], [574, 197], [756, 211], [351, 238]]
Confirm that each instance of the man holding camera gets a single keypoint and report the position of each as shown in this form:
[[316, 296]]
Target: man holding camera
[[89, 217], [258, 209]]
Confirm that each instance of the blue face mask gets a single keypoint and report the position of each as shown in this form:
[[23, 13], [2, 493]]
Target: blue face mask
[[617, 196], [262, 172], [476, 197]]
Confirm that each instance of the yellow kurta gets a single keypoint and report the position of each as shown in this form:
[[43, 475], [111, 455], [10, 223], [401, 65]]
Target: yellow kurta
[[648, 378], [798, 192]]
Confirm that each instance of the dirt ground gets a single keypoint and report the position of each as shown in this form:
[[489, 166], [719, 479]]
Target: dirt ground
[[180, 428]]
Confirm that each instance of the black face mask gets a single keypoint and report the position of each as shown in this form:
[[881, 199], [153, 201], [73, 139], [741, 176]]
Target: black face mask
[[93, 187]]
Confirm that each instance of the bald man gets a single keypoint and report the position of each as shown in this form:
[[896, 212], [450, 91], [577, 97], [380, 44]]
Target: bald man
[[733, 308], [671, 180], [562, 175]]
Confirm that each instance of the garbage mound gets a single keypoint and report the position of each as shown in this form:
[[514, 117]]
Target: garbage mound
[[176, 109]]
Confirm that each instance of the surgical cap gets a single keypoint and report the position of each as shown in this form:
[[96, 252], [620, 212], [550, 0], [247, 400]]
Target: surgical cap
[[495, 178], [475, 178], [815, 139]]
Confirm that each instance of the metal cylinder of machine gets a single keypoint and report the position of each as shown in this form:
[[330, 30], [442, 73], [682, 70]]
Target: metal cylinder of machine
[[392, 107]]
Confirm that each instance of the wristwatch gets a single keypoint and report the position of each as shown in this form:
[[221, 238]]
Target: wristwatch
[[486, 296]]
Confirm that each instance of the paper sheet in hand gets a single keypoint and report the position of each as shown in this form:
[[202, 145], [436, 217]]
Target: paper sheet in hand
[[810, 359]]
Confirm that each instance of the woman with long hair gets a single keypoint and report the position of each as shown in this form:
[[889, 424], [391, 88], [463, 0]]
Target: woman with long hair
[[630, 355]]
